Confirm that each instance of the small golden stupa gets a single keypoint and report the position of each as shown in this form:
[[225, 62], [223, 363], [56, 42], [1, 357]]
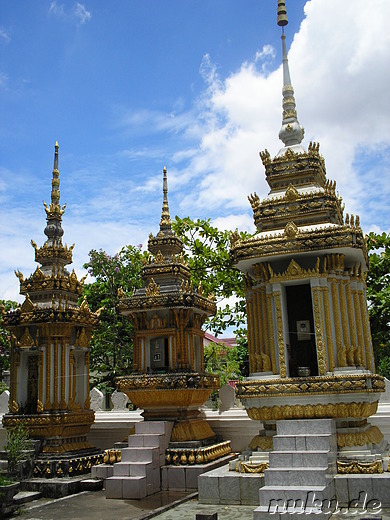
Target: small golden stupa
[[168, 380], [310, 349], [50, 338]]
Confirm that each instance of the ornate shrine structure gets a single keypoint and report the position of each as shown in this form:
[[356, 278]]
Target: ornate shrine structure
[[310, 349], [168, 380], [50, 338]]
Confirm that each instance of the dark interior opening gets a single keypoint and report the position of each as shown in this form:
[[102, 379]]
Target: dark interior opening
[[159, 354], [302, 347]]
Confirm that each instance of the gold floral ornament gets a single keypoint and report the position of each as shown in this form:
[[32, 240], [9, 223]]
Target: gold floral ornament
[[152, 289], [291, 230], [26, 340]]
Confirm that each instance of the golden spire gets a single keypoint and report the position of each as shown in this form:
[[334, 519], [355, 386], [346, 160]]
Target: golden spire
[[54, 213], [291, 132], [55, 209], [165, 222]]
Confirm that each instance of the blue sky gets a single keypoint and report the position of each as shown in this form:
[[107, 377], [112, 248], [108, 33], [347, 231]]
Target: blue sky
[[127, 87]]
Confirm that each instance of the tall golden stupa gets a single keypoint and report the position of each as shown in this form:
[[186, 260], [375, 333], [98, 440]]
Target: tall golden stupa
[[50, 338], [310, 349]]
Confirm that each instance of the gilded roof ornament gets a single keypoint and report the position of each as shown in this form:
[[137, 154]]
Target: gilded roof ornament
[[291, 230], [152, 289]]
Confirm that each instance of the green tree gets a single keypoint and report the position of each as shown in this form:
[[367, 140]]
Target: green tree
[[206, 249], [222, 360], [5, 345], [111, 344], [378, 295]]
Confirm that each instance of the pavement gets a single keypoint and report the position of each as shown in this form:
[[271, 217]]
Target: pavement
[[161, 506]]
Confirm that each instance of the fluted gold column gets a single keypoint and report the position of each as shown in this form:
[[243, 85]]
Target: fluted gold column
[[250, 327], [279, 326], [258, 332], [87, 402], [366, 332], [63, 374], [15, 362], [48, 374], [352, 319], [71, 390], [344, 323], [40, 381], [341, 356], [359, 327], [55, 403], [264, 322], [318, 324], [192, 352], [201, 353], [271, 332], [329, 335]]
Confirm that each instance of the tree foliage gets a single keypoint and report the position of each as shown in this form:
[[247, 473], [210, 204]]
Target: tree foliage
[[378, 295], [206, 249], [111, 344], [5, 345]]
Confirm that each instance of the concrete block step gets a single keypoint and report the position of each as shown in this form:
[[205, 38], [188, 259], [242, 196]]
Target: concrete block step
[[296, 476], [302, 426], [298, 458], [161, 427], [102, 471], [23, 497], [140, 454], [151, 440], [302, 443], [133, 469], [126, 487]]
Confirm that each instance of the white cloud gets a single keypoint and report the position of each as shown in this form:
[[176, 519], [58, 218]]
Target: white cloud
[[78, 13], [56, 9], [4, 35], [82, 14]]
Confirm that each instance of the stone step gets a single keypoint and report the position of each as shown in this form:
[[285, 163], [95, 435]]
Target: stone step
[[23, 497], [307, 442], [3, 465], [150, 440], [161, 427], [136, 469], [102, 471], [293, 459], [299, 476], [309, 495], [141, 454], [130, 488], [315, 426]]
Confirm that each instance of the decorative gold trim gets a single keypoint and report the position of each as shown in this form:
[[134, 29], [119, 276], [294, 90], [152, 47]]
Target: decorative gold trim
[[295, 386], [279, 324], [188, 456], [328, 325], [152, 289], [371, 436], [263, 442], [248, 467], [318, 411], [356, 467], [318, 324], [271, 332]]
